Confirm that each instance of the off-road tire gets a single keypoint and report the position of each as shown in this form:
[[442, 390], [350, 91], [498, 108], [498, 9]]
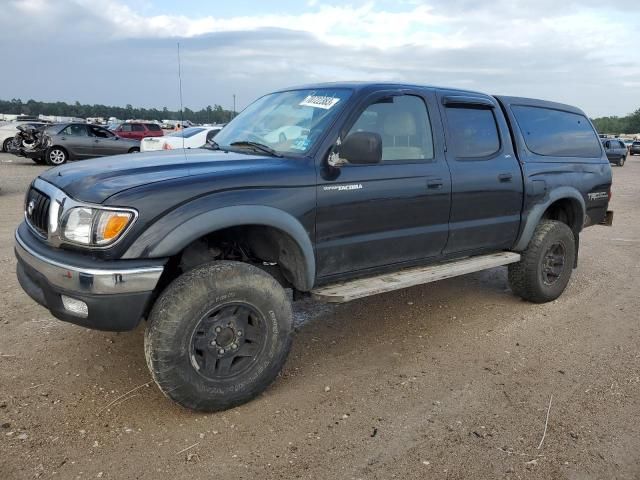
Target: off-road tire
[[526, 278], [176, 325]]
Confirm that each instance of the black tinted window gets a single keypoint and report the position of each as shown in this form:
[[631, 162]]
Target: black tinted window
[[125, 127], [136, 127], [153, 127], [556, 133], [474, 132]]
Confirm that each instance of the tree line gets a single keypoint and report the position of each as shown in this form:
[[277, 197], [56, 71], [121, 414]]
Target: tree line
[[209, 114], [618, 125]]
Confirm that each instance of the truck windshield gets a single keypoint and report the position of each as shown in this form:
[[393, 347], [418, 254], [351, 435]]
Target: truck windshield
[[287, 122]]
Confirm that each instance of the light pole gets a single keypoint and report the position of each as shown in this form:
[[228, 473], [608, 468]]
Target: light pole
[[234, 107]]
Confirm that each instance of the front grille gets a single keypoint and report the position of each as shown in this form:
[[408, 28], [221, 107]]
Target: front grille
[[37, 211]]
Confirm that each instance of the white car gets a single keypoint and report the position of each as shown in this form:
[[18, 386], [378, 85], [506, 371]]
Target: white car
[[10, 130], [192, 137]]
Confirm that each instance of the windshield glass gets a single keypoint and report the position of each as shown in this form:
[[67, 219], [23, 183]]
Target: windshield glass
[[288, 122], [186, 133]]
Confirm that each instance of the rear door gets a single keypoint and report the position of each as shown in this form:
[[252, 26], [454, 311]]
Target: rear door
[[75, 138], [486, 196], [396, 211]]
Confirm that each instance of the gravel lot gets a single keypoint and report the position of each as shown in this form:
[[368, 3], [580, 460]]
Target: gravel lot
[[448, 380]]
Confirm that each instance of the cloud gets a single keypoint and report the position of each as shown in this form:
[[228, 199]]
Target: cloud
[[104, 51]]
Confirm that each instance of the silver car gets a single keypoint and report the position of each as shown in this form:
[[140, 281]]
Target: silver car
[[76, 141]]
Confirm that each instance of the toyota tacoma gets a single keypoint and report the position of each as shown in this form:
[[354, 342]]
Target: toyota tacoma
[[334, 191]]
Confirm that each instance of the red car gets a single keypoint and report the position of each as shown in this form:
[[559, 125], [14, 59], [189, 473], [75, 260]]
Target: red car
[[138, 131]]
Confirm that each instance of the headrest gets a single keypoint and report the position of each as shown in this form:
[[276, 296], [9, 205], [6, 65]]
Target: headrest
[[399, 124]]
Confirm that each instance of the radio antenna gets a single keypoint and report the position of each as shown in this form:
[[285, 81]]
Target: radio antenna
[[180, 93]]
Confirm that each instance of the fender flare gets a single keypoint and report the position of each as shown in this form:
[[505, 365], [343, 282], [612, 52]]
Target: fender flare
[[164, 239], [536, 212]]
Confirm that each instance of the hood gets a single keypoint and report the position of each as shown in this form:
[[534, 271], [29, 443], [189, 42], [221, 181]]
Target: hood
[[96, 180]]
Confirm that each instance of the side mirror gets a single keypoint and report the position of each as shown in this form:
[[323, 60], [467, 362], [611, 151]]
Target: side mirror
[[359, 148]]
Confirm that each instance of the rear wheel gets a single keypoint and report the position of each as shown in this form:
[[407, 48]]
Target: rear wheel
[[544, 270], [621, 161], [134, 150], [6, 143], [56, 156], [218, 335]]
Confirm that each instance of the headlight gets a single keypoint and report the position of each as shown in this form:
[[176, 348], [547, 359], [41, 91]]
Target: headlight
[[94, 226]]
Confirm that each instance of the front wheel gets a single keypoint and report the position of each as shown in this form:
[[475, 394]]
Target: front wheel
[[545, 267], [56, 156], [218, 335], [134, 150]]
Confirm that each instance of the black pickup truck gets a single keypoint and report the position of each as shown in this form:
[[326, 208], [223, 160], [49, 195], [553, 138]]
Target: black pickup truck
[[337, 191]]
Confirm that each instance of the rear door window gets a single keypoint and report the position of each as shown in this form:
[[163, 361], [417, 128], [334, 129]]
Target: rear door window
[[75, 131], [474, 132], [153, 127], [136, 127], [558, 133]]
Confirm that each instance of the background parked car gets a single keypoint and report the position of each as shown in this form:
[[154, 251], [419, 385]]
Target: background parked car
[[9, 130], [634, 148], [193, 137], [138, 131], [75, 141], [627, 142], [616, 151]]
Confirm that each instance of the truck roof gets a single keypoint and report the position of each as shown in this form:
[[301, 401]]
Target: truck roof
[[504, 99], [361, 85]]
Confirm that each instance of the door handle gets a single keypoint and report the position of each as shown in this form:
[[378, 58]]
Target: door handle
[[435, 184], [505, 177]]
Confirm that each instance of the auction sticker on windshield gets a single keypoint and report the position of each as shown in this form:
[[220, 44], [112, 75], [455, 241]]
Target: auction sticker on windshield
[[319, 101]]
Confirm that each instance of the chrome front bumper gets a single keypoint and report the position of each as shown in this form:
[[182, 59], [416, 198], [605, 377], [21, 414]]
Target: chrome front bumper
[[91, 281]]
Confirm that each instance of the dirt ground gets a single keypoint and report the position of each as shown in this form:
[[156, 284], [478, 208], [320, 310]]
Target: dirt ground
[[449, 380]]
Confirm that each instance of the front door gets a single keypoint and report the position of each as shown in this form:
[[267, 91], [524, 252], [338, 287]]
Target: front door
[[486, 198], [105, 142], [396, 211]]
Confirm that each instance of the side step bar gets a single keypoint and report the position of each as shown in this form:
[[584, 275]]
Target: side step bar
[[364, 287]]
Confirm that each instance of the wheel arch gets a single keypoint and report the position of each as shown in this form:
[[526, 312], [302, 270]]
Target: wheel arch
[[162, 240], [565, 204]]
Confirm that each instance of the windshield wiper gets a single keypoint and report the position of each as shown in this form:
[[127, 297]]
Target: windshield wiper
[[257, 146]]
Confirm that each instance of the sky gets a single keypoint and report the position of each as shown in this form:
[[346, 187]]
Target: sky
[[120, 52]]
